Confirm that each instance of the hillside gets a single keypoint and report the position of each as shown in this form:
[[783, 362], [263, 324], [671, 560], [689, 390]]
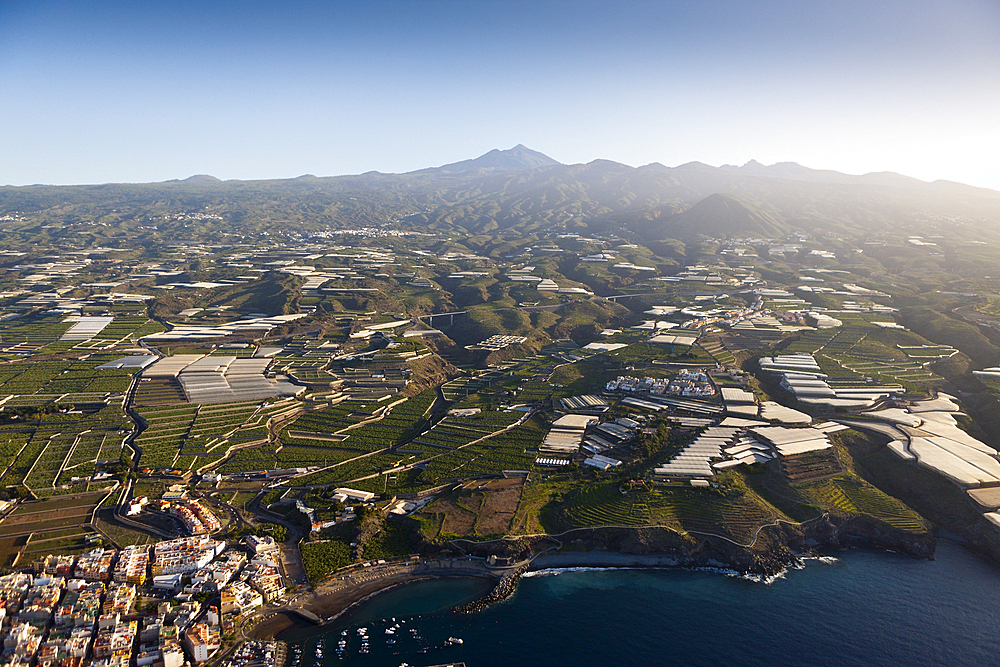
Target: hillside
[[722, 215]]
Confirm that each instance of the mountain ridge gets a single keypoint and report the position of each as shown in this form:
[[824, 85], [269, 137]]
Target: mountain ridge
[[501, 190]]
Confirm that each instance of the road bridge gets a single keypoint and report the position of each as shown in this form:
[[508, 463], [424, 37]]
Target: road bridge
[[450, 316]]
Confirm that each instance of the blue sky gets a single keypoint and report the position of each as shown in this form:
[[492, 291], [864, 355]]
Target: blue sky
[[141, 91]]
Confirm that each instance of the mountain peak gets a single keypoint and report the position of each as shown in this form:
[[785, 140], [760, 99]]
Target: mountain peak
[[518, 158]]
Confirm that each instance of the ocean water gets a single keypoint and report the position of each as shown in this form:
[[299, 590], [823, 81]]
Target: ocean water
[[859, 608]]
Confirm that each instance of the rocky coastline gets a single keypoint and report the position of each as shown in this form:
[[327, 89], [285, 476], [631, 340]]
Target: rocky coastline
[[775, 548]]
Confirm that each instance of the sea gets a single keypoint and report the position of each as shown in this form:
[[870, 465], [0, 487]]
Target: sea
[[852, 608]]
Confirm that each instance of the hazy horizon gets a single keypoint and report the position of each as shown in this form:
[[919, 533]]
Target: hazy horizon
[[113, 92], [193, 176]]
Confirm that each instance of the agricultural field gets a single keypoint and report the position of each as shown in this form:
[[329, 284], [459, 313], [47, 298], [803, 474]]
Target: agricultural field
[[68, 541], [350, 439], [24, 548], [158, 392], [809, 342], [844, 494], [47, 452], [166, 430], [68, 381], [35, 330], [59, 518], [734, 510], [477, 445], [323, 557], [480, 509], [718, 350], [861, 349], [514, 375], [851, 495], [191, 437]]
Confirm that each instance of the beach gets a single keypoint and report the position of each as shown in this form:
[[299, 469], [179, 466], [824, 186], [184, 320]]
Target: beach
[[334, 597]]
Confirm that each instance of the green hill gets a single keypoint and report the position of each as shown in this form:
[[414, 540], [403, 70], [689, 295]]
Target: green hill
[[721, 215]]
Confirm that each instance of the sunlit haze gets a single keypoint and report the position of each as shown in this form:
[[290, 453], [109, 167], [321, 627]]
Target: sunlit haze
[[107, 92]]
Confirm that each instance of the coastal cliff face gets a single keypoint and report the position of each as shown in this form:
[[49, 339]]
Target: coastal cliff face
[[775, 547], [834, 532]]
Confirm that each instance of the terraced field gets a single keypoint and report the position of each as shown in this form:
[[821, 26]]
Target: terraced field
[[602, 505], [737, 515], [454, 457], [56, 517], [214, 430], [849, 495], [165, 433], [810, 342], [446, 445], [56, 379], [192, 437], [862, 349], [353, 437], [253, 458], [34, 329], [719, 352], [47, 452], [534, 391], [158, 392]]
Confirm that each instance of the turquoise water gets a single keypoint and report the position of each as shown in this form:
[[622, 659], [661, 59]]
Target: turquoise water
[[861, 608]]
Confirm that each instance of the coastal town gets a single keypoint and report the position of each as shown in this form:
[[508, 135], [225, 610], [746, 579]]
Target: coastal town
[[168, 605]]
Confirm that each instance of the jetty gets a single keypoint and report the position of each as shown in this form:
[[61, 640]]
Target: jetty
[[504, 589]]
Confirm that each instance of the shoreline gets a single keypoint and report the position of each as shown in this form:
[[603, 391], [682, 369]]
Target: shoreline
[[778, 550], [613, 559], [332, 607]]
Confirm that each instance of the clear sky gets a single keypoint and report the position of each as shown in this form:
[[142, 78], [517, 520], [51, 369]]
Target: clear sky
[[135, 91]]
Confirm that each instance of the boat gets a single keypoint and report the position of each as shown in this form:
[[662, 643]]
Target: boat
[[454, 641]]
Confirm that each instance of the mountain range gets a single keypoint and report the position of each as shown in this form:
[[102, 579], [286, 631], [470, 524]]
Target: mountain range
[[526, 191]]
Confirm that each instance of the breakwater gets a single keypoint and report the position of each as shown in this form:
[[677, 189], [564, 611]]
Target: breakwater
[[503, 590]]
